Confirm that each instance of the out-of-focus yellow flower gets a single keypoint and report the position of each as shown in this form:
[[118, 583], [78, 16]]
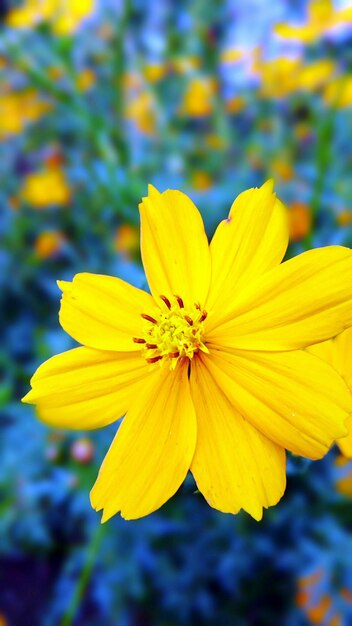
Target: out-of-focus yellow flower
[[17, 109], [185, 64], [282, 76], [48, 243], [344, 218], [199, 96], [235, 104], [201, 181], [337, 352], [45, 188], [315, 75], [86, 79], [3, 65], [300, 221], [64, 16], [338, 93], [153, 72], [277, 76], [210, 366], [231, 55], [321, 18], [282, 168], [126, 240], [140, 108]]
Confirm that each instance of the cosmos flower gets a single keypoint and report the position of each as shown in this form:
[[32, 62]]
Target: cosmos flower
[[210, 368], [337, 352]]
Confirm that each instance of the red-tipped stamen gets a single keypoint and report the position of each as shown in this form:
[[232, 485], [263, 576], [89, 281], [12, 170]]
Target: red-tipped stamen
[[154, 359], [203, 316], [138, 340], [179, 301], [189, 320], [173, 355], [166, 301], [148, 318], [197, 305], [151, 346]]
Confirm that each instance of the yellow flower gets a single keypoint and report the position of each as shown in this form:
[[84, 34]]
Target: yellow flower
[[321, 18], [338, 92], [199, 96], [231, 55], [18, 109], [282, 76], [210, 367], [153, 72], [47, 187], [140, 108], [65, 17], [338, 353]]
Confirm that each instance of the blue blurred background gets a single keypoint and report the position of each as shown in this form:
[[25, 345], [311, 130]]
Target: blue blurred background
[[99, 98]]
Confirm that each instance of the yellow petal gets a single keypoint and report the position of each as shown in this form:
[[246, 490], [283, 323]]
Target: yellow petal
[[152, 451], [302, 301], [85, 388], [234, 465], [343, 355], [338, 353], [174, 246], [293, 398], [345, 443], [252, 240], [103, 312]]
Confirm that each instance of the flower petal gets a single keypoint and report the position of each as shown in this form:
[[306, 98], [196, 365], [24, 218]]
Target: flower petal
[[337, 352], [293, 398], [85, 388], [103, 312], [252, 240], [303, 301], [174, 246], [152, 451], [234, 465]]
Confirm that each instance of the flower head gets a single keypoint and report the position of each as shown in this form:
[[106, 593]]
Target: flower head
[[210, 367]]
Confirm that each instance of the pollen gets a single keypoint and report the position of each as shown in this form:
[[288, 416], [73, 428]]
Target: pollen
[[172, 333]]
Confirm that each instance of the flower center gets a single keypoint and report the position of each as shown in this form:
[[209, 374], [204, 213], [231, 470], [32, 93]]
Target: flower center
[[173, 333]]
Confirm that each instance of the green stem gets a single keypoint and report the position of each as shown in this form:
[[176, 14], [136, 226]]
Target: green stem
[[323, 160], [84, 577]]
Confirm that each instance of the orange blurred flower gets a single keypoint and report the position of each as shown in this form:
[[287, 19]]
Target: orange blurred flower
[[48, 243], [126, 240], [300, 221]]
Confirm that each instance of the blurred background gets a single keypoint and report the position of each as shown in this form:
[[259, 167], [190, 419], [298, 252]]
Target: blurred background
[[99, 98]]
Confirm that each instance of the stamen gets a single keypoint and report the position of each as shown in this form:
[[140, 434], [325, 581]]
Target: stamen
[[203, 316], [148, 318], [154, 359], [173, 355], [151, 346], [188, 319], [138, 340], [180, 301], [167, 301], [197, 305]]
